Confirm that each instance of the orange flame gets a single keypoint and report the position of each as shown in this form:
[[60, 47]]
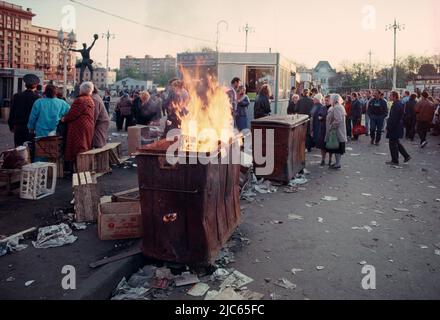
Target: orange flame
[[207, 117]]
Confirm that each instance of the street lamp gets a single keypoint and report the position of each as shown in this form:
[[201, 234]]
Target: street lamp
[[66, 44], [247, 29], [396, 26], [218, 31]]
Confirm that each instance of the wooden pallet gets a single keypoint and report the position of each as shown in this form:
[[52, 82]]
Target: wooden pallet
[[99, 160], [85, 190]]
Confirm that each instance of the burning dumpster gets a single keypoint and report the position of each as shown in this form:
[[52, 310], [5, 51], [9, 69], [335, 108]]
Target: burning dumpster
[[191, 207], [288, 144]]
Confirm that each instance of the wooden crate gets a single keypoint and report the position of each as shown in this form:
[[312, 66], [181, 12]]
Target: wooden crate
[[86, 194], [49, 147], [99, 160], [188, 211], [289, 145]]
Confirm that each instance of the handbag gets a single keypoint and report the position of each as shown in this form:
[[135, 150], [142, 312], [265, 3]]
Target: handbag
[[333, 141]]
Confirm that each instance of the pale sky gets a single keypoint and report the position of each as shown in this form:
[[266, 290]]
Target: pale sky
[[305, 32]]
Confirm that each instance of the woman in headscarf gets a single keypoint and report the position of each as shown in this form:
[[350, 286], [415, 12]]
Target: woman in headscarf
[[102, 121], [336, 122], [320, 143], [315, 123], [80, 123]]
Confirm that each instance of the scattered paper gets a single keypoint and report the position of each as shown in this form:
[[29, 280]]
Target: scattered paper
[[29, 283], [198, 290], [54, 236], [186, 279], [286, 284], [327, 198], [294, 271], [295, 217], [320, 220], [236, 280]]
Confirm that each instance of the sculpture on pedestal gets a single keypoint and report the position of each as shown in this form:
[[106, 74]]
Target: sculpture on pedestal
[[86, 60]]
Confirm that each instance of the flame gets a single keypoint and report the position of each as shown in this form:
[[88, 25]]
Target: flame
[[206, 119]]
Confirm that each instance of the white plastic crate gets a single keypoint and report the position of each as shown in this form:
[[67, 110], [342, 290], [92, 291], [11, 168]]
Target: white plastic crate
[[34, 178]]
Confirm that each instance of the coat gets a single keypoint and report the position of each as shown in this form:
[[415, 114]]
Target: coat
[[124, 106], [424, 110], [262, 107], [304, 106], [21, 108], [356, 111], [395, 121], [80, 127], [336, 120], [46, 115], [242, 109], [102, 122]]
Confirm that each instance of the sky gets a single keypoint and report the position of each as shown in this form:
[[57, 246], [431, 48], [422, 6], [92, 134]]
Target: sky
[[338, 31]]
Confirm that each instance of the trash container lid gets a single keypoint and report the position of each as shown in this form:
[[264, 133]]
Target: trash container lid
[[282, 120]]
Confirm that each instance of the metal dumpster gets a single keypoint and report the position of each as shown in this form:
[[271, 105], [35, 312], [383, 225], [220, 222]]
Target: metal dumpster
[[289, 144], [189, 211]]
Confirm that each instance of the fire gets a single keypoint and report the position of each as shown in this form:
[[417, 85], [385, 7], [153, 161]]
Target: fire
[[206, 119]]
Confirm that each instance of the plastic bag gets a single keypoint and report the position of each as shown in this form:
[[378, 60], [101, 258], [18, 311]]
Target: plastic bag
[[333, 142]]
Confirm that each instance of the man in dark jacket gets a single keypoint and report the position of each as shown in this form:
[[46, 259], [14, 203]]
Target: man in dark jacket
[[377, 111], [356, 112], [395, 130], [410, 118], [21, 108], [305, 106]]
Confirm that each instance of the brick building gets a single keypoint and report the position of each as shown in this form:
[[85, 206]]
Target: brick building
[[25, 46], [149, 66]]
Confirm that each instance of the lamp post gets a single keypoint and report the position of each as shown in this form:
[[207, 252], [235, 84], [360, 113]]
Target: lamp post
[[66, 44], [395, 27], [218, 31], [108, 36], [247, 29]]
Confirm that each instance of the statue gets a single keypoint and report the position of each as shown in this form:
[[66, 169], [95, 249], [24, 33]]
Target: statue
[[86, 61]]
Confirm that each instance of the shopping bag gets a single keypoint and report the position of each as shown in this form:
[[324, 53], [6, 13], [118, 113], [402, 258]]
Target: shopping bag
[[333, 142], [359, 130]]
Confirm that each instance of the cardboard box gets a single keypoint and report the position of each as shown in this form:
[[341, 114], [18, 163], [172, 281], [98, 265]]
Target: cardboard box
[[117, 221], [135, 135]]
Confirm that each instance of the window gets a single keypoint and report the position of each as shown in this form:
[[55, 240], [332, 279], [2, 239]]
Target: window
[[258, 76]]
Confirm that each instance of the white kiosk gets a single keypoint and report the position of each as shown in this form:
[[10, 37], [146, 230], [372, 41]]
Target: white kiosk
[[254, 69]]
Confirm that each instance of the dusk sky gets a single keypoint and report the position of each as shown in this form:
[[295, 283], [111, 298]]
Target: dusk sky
[[336, 31]]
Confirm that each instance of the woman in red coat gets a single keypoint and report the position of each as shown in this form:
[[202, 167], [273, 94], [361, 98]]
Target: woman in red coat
[[80, 123]]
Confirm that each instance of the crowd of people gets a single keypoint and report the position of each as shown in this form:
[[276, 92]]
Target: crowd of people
[[336, 118], [83, 125]]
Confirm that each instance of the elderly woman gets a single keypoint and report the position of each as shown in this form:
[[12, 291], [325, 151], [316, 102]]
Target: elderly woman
[[102, 121], [291, 109], [315, 123], [320, 144], [148, 111], [47, 113], [336, 125], [80, 123]]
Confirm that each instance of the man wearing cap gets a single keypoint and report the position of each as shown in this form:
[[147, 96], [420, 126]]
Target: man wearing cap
[[21, 108]]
